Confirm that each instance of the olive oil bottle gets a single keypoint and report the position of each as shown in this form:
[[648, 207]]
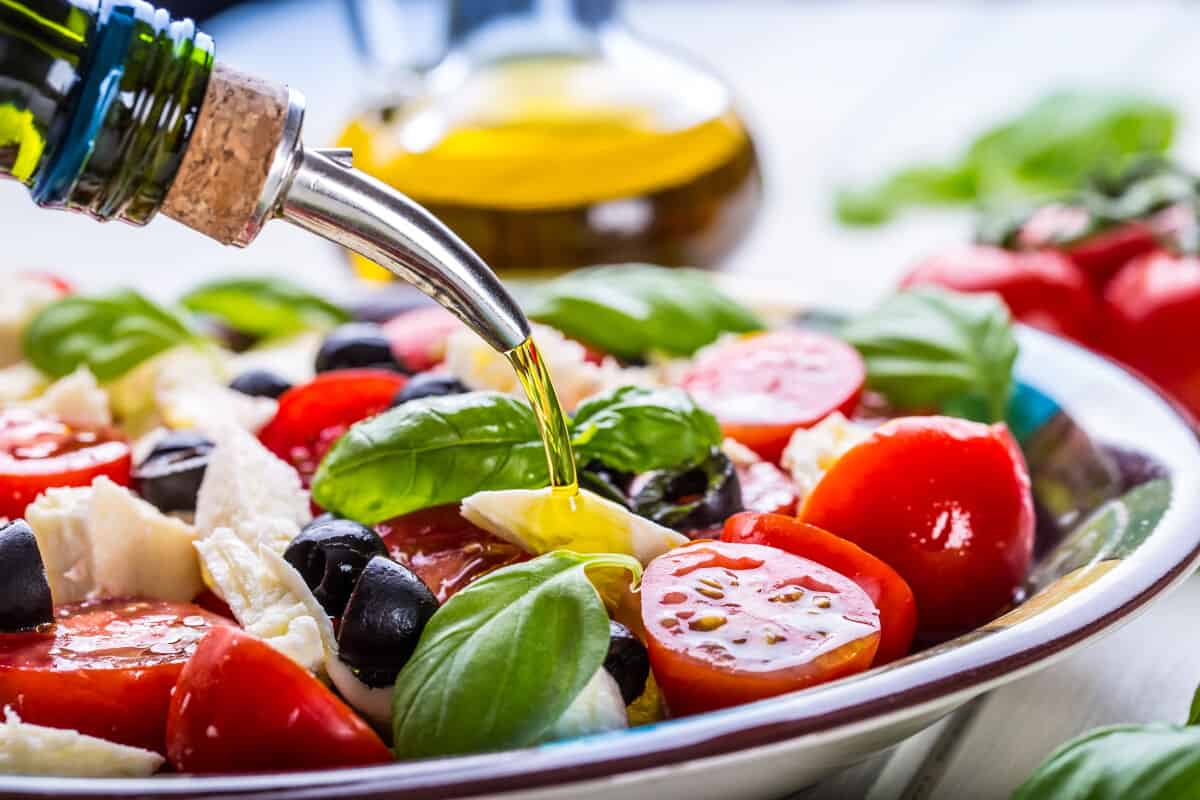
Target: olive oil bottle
[[549, 137]]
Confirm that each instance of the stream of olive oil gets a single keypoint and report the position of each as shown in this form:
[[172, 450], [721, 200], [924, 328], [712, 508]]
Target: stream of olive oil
[[552, 423]]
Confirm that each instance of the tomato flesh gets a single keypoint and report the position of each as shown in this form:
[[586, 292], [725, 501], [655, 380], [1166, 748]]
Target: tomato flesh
[[731, 623], [240, 705], [946, 503], [762, 387], [312, 417], [418, 337], [445, 550], [105, 668], [887, 590], [39, 452]]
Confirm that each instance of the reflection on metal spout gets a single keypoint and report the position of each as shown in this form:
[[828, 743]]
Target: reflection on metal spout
[[356, 211]]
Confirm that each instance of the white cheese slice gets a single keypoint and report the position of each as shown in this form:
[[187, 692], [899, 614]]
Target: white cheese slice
[[251, 492], [19, 382], [812, 451], [59, 519], [598, 708], [206, 406], [136, 396], [374, 703], [27, 749], [78, 399], [21, 300]]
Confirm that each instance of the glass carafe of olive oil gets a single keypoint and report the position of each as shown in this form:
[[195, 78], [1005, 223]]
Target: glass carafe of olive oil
[[550, 137]]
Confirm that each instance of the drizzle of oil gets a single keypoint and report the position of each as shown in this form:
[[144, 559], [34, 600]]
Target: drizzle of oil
[[552, 423]]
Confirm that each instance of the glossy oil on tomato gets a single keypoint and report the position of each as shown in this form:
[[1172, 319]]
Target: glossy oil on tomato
[[445, 550], [944, 502], [762, 387], [731, 623], [240, 705], [39, 452], [105, 668], [887, 590], [312, 417]]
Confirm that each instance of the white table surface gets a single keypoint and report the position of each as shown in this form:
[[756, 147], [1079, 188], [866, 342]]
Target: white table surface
[[834, 91]]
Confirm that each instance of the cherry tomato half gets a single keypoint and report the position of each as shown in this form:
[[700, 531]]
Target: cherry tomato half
[[105, 669], [887, 590], [39, 452], [418, 337], [240, 705], [1041, 288], [445, 550], [946, 503], [764, 386], [1099, 255], [731, 623], [314, 416]]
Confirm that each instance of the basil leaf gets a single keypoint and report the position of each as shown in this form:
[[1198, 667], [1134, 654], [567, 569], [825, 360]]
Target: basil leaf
[[264, 307], [637, 430], [109, 334], [502, 660], [429, 452], [930, 348], [629, 310]]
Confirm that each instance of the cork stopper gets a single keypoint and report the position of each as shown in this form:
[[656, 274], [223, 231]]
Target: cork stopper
[[221, 177]]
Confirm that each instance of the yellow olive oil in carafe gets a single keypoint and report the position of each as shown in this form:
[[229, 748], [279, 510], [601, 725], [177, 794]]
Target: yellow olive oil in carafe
[[553, 162], [552, 423]]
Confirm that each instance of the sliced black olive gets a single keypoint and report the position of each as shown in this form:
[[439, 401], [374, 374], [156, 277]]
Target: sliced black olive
[[330, 556], [260, 383], [690, 499], [627, 661], [607, 482], [25, 601], [428, 384], [383, 621], [357, 345], [169, 478]]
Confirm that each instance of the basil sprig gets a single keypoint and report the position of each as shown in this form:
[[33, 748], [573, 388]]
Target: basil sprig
[[934, 349], [264, 307], [630, 310], [109, 334], [1122, 762], [441, 449], [502, 660]]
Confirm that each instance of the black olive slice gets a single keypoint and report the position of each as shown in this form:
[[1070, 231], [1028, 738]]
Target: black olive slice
[[25, 601], [260, 383], [428, 384], [627, 661], [690, 499], [170, 476], [357, 345], [330, 555]]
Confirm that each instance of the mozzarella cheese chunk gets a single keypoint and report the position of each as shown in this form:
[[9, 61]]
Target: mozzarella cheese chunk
[[19, 382], [374, 703], [291, 358], [204, 406], [251, 492], [812, 451], [78, 399], [538, 521], [598, 708], [20, 302], [104, 541], [27, 749]]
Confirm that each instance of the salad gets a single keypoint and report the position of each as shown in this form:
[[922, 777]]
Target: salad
[[259, 531]]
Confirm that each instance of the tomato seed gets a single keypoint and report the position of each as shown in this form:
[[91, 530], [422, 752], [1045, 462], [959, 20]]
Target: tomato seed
[[707, 623]]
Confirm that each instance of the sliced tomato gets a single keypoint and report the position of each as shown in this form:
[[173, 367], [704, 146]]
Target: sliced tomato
[[731, 623], [105, 669], [418, 337], [944, 502], [887, 590], [445, 550], [240, 705], [767, 489], [313, 416], [764, 386], [1041, 288], [39, 452]]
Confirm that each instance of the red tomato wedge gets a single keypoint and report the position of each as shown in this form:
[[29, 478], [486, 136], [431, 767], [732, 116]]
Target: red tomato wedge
[[731, 623], [887, 590], [445, 550], [242, 706], [418, 337], [105, 669], [1041, 288], [762, 387], [944, 502], [39, 452], [313, 416]]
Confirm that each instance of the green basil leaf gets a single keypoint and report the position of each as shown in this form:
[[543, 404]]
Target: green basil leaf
[[429, 452], [264, 307], [637, 430], [931, 348], [630, 310], [109, 334], [502, 660]]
